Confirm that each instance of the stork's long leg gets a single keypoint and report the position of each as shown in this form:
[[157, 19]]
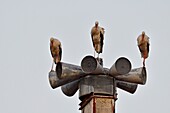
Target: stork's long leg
[[143, 62], [52, 66]]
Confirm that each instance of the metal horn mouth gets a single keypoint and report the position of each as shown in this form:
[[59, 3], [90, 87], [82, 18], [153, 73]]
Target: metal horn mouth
[[88, 64], [120, 67], [123, 65]]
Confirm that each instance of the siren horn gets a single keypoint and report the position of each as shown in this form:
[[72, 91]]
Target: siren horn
[[120, 67], [137, 75]]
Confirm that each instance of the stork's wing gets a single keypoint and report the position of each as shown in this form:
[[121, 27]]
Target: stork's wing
[[92, 37], [140, 48], [148, 47], [148, 44], [92, 40], [51, 50], [60, 52], [101, 41]]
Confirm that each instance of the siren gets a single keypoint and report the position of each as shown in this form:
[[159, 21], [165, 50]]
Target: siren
[[65, 70], [137, 75], [126, 86], [91, 65], [54, 80], [65, 73], [120, 67], [71, 88]]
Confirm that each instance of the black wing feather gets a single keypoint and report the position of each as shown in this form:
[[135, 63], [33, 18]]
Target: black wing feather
[[101, 41], [60, 53], [148, 47], [140, 49]]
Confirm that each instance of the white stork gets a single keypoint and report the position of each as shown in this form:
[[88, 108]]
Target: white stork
[[56, 50], [97, 35], [143, 44]]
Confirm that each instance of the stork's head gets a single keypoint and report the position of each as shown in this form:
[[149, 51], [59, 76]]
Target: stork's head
[[143, 33], [96, 23], [51, 39]]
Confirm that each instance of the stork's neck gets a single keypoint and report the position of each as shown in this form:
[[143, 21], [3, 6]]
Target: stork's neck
[[51, 42], [143, 37]]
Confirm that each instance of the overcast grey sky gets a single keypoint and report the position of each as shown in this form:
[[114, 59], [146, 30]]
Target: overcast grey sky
[[25, 30]]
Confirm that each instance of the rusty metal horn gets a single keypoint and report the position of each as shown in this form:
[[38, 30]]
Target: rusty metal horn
[[137, 75], [120, 67], [126, 86], [65, 70], [91, 65], [55, 81], [71, 88], [65, 73]]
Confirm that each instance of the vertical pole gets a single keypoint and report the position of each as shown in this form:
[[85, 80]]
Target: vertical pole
[[98, 104], [97, 93]]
